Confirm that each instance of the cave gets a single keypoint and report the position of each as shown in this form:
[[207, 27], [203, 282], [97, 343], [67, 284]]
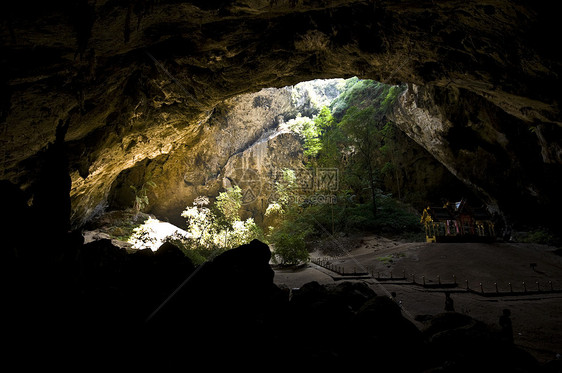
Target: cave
[[100, 97]]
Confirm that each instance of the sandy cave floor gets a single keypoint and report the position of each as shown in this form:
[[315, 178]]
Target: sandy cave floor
[[536, 316]]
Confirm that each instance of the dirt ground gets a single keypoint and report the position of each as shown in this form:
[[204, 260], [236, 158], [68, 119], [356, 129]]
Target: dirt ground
[[536, 306]]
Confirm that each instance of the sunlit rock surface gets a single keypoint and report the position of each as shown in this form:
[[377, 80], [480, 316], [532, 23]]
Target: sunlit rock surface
[[245, 142]]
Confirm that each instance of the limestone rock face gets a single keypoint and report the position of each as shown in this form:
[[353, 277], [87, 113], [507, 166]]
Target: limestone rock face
[[242, 144], [257, 168], [140, 79], [485, 148]]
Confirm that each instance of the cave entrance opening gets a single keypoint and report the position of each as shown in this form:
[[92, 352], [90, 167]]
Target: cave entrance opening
[[284, 165]]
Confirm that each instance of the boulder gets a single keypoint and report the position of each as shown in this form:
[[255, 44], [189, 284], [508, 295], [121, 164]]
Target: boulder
[[220, 304], [459, 343]]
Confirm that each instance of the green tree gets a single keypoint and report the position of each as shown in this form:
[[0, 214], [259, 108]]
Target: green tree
[[324, 120], [228, 204], [362, 145], [390, 153], [219, 227], [311, 130], [289, 245], [201, 223], [315, 132], [144, 236], [290, 248]]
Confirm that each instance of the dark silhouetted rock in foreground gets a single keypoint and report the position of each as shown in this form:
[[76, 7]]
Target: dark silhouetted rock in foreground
[[459, 343], [222, 300], [105, 305]]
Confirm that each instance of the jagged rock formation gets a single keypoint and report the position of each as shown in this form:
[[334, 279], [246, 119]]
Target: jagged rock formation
[[485, 148], [140, 79]]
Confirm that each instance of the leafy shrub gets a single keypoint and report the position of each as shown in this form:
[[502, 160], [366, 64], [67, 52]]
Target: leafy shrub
[[541, 236], [393, 218], [289, 248]]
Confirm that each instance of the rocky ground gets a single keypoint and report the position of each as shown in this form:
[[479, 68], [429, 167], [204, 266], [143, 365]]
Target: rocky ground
[[536, 315]]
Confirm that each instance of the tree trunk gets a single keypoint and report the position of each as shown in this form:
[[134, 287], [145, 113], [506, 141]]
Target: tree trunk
[[372, 186]]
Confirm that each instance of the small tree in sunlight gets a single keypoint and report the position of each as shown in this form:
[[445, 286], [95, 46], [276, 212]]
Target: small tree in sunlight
[[285, 188], [289, 247], [200, 222], [311, 130], [289, 244], [275, 213], [284, 193], [219, 227], [144, 236], [228, 205]]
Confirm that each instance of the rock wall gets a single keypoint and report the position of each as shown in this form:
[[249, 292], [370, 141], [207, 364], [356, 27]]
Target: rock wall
[[242, 143], [497, 155]]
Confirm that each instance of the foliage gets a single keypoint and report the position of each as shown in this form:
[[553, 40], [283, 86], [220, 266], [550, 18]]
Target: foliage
[[366, 93], [288, 240], [389, 154], [200, 222], [385, 259], [153, 233], [306, 223], [290, 235], [362, 142], [284, 190], [290, 249], [355, 136], [274, 208], [324, 119], [228, 205], [210, 230], [144, 236], [543, 236], [306, 128], [198, 255], [221, 227]]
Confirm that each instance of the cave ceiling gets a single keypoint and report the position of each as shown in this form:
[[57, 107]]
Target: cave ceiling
[[141, 79]]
